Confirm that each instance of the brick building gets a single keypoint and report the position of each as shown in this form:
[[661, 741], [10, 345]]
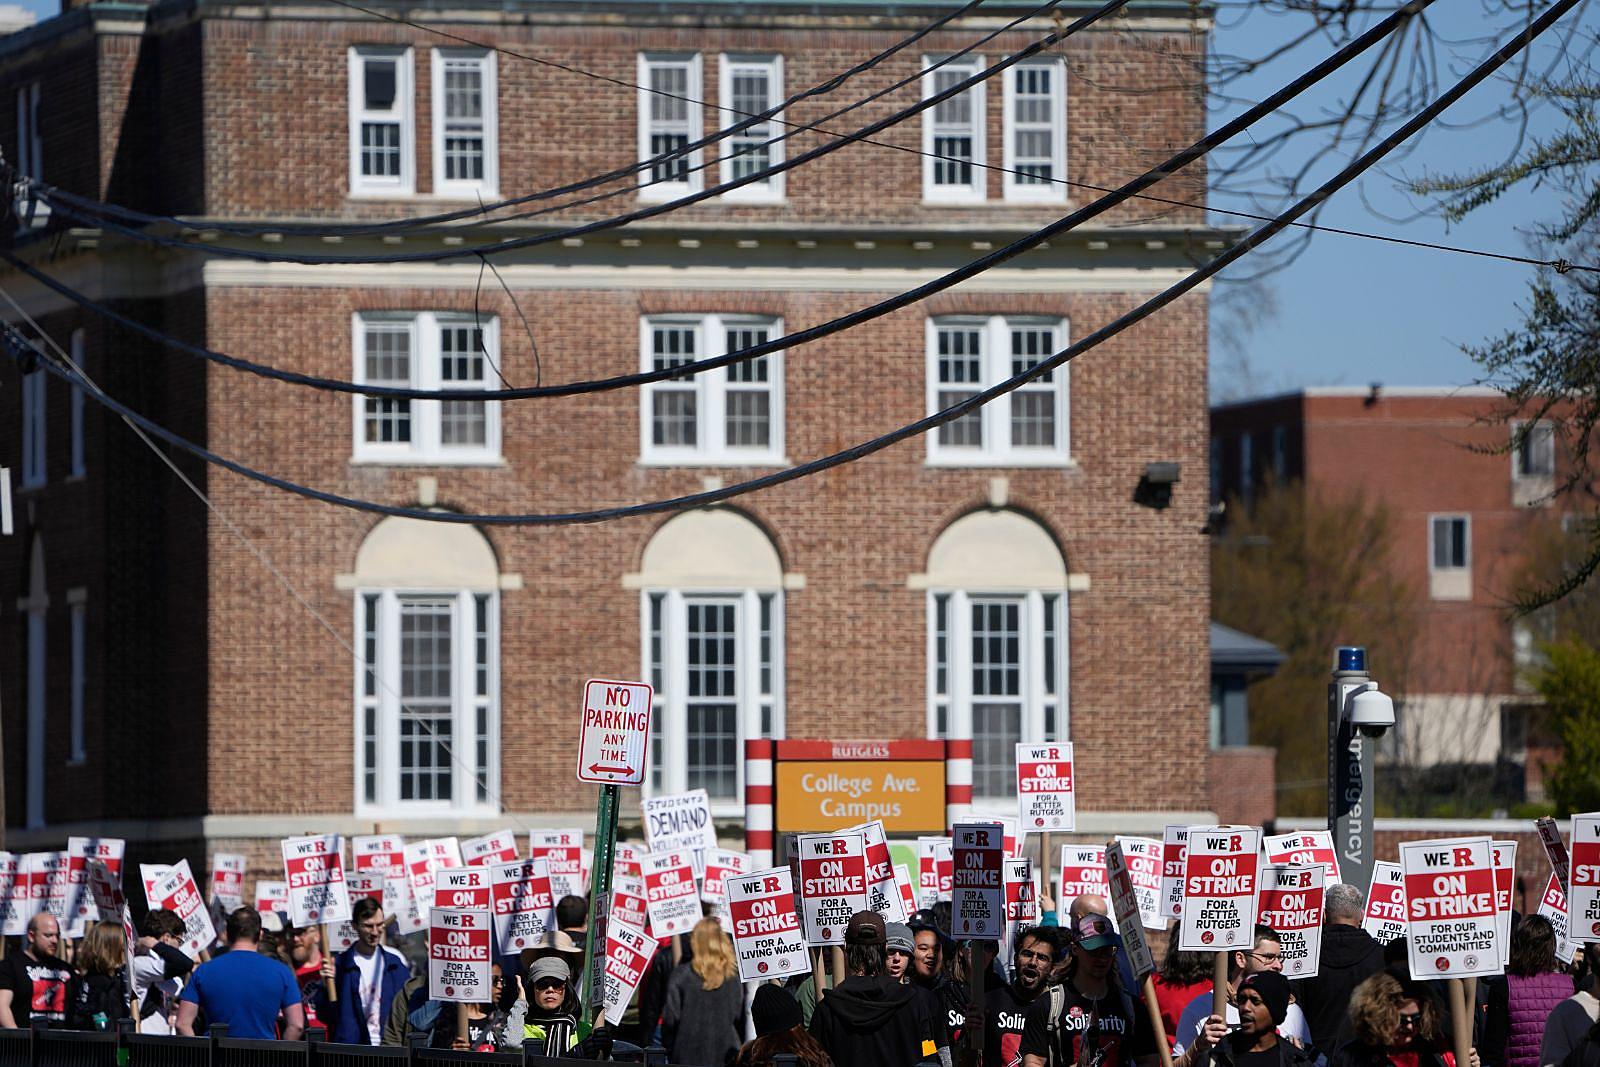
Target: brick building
[[994, 583], [1463, 511]]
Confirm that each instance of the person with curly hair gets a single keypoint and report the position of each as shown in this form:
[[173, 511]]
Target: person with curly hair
[[1396, 1023]]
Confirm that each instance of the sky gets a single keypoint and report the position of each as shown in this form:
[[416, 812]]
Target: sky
[[1350, 311]]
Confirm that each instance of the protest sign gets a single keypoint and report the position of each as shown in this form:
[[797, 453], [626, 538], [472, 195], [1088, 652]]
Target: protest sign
[[459, 956], [13, 901], [833, 883], [1553, 906], [1045, 788], [625, 860], [766, 929], [369, 884], [176, 892], [1385, 918], [562, 852], [423, 859], [669, 893], [485, 851], [1555, 848], [721, 864], [227, 881], [1290, 901], [883, 896], [410, 917], [459, 888], [1583, 899], [380, 852], [628, 953], [628, 902], [105, 889], [1125, 907], [80, 905], [49, 882], [1022, 894], [1450, 908], [1504, 856], [272, 896], [523, 904], [1219, 888], [1143, 857], [908, 894], [978, 890], [1174, 850], [1302, 849], [680, 821], [1083, 870], [1008, 834], [314, 868], [935, 865]]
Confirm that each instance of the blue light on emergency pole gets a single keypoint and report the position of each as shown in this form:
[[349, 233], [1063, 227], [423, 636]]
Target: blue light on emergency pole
[[1352, 658]]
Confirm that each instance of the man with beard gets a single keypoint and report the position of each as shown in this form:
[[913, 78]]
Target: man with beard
[[1006, 1006], [1089, 1019]]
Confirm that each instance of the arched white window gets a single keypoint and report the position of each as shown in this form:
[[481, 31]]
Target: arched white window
[[427, 679], [712, 602], [997, 642]]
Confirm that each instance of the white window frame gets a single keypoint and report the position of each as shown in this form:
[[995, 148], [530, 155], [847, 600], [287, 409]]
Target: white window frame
[[488, 188], [695, 125], [711, 393], [670, 708], [1055, 190], [464, 705], [1544, 430], [997, 449], [35, 429], [771, 189], [79, 467], [1450, 582], [405, 113], [1041, 708], [975, 191], [77, 607], [1466, 521], [30, 149], [424, 447]]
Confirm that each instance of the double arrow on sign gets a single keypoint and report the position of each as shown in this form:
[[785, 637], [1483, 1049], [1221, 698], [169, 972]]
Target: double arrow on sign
[[602, 768]]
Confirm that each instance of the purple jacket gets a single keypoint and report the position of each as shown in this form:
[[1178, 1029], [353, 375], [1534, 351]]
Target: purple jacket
[[1530, 1001]]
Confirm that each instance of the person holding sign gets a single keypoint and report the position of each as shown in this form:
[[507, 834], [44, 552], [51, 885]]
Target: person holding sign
[[243, 989], [1266, 954], [1262, 1001], [368, 976], [551, 1025], [1033, 957], [1090, 1006]]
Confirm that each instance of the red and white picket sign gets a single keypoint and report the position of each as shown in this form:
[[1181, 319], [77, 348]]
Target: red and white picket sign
[[1143, 856], [1553, 906], [628, 902], [935, 867], [670, 892], [883, 896], [1125, 910], [628, 954], [1290, 901], [459, 955], [227, 880], [380, 852], [314, 868], [458, 888], [562, 851], [486, 851], [978, 892], [1452, 930], [766, 929], [1555, 849], [270, 896], [1008, 834], [1219, 888], [833, 883], [1385, 918], [1504, 856], [1083, 870], [1583, 898], [423, 859], [1302, 849], [908, 893], [1045, 788], [1022, 895], [49, 881], [625, 861], [360, 884], [523, 904], [177, 892], [80, 902], [1174, 850], [105, 888], [721, 865], [12, 899]]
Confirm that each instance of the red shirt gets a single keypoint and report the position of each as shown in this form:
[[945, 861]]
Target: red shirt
[[1173, 999]]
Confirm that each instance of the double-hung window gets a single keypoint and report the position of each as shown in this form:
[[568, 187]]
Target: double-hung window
[[1036, 131], [1535, 454], [30, 150], [382, 126], [427, 350], [1450, 557], [953, 134], [79, 466], [670, 91], [728, 415], [996, 674], [752, 85], [716, 661], [968, 354], [427, 702], [34, 397], [464, 123]]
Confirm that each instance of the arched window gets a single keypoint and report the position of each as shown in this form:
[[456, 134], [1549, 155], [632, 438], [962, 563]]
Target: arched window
[[428, 669], [712, 600], [997, 642]]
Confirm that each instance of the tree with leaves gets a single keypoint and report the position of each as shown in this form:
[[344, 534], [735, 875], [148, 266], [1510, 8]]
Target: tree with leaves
[[1569, 682]]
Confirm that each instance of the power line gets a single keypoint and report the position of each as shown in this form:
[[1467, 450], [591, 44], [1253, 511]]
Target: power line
[[1250, 242], [1111, 199]]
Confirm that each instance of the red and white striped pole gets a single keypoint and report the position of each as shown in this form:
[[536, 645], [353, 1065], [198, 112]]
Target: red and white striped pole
[[758, 802], [958, 780]]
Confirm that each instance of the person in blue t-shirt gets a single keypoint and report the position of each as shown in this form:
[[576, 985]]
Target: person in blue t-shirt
[[244, 989]]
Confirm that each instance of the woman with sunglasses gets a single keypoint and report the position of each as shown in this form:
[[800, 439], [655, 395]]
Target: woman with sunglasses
[[1397, 1023]]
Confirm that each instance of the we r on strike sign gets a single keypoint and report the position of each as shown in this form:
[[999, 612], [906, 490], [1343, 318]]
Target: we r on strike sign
[[1450, 908], [1219, 887]]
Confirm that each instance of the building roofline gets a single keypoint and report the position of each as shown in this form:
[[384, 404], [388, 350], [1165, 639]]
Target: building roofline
[[1400, 392]]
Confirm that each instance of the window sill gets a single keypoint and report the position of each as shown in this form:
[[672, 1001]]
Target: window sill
[[955, 200], [427, 461], [992, 462], [396, 193], [1014, 197], [714, 460], [657, 194], [32, 487], [762, 199]]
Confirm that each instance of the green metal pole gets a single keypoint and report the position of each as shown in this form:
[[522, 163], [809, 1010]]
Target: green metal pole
[[605, 847]]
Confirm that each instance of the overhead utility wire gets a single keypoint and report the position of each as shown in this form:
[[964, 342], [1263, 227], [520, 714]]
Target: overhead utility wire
[[883, 307], [640, 214], [1251, 241]]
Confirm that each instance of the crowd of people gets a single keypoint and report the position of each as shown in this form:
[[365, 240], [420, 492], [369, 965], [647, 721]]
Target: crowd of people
[[1063, 997]]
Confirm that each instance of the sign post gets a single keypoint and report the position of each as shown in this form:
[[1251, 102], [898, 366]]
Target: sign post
[[611, 752], [1125, 902]]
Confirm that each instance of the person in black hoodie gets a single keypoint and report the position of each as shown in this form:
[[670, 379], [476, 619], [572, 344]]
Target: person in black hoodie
[[869, 1019], [1349, 957]]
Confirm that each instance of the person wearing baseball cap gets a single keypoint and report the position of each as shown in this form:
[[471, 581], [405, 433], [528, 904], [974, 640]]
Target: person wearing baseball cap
[[1263, 1001], [1089, 1017], [871, 1019]]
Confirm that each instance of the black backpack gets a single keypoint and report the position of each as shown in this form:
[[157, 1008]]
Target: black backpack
[[98, 1002]]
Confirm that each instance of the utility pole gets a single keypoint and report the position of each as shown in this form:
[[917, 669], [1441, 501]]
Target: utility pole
[[1350, 794]]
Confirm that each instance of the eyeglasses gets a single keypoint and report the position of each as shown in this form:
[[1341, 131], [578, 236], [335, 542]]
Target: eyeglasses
[[1412, 1019], [1266, 957]]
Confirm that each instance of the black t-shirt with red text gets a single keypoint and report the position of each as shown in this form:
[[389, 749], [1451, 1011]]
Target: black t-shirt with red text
[[38, 988], [1114, 1031]]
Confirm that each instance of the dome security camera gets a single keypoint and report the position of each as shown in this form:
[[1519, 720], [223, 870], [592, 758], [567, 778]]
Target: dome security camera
[[1370, 711]]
